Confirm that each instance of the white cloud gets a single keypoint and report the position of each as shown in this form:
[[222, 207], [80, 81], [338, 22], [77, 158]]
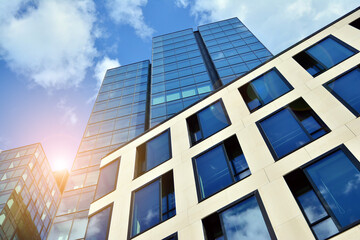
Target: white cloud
[[278, 24], [48, 41], [101, 67], [69, 116], [130, 12]]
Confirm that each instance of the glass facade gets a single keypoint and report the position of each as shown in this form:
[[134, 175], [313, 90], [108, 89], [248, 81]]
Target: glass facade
[[179, 75], [234, 50], [117, 117], [29, 195]]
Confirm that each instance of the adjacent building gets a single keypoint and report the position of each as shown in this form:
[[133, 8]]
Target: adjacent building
[[29, 195], [186, 66], [271, 155]]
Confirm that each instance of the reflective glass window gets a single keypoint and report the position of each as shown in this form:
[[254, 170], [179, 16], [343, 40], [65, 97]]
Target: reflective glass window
[[60, 230], [207, 122], [153, 153], [99, 223], [328, 197], [219, 167], [345, 88], [242, 220], [264, 89], [291, 127], [153, 204], [324, 55], [108, 179]]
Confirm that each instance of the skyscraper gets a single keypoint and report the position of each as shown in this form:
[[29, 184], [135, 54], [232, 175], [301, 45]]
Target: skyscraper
[[186, 67], [271, 155], [29, 195]]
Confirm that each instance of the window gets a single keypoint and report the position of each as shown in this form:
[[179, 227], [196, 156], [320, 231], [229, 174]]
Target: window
[[324, 55], [152, 204], [345, 88], [243, 220], [264, 89], [328, 197], [108, 179], [171, 237], [291, 127], [207, 122], [99, 224], [219, 167], [356, 23], [153, 153]]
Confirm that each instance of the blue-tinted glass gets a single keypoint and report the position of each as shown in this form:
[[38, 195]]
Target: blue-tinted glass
[[329, 52], [146, 210], [98, 226], [212, 119], [239, 164], [107, 179], [325, 229], [312, 207], [310, 124], [270, 86], [213, 171], [157, 150], [284, 132], [347, 87], [245, 221], [340, 189]]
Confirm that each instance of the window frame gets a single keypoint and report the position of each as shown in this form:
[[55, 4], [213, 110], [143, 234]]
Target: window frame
[[228, 163], [199, 123], [268, 143], [137, 161], [344, 44], [116, 179], [338, 97], [356, 164], [260, 100], [111, 205], [174, 235], [232, 204], [131, 217]]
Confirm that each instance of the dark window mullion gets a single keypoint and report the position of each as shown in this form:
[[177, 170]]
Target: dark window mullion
[[257, 95], [228, 163], [160, 198], [300, 124], [317, 61], [200, 127], [322, 200]]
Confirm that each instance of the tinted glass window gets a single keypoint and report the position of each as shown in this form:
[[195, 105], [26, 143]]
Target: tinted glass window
[[328, 197], [324, 55], [264, 89], [98, 227], [346, 88], [207, 122], [107, 179], [219, 167], [291, 128], [153, 153], [244, 220], [153, 204], [338, 188]]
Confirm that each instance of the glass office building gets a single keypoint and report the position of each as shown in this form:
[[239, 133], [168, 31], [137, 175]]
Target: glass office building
[[29, 195], [188, 65], [118, 116], [137, 96]]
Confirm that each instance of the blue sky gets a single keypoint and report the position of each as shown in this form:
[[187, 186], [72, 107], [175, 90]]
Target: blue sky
[[54, 53]]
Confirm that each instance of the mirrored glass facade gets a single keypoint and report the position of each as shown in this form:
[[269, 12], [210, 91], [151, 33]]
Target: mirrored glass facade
[[183, 62], [29, 195], [118, 116], [233, 48]]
